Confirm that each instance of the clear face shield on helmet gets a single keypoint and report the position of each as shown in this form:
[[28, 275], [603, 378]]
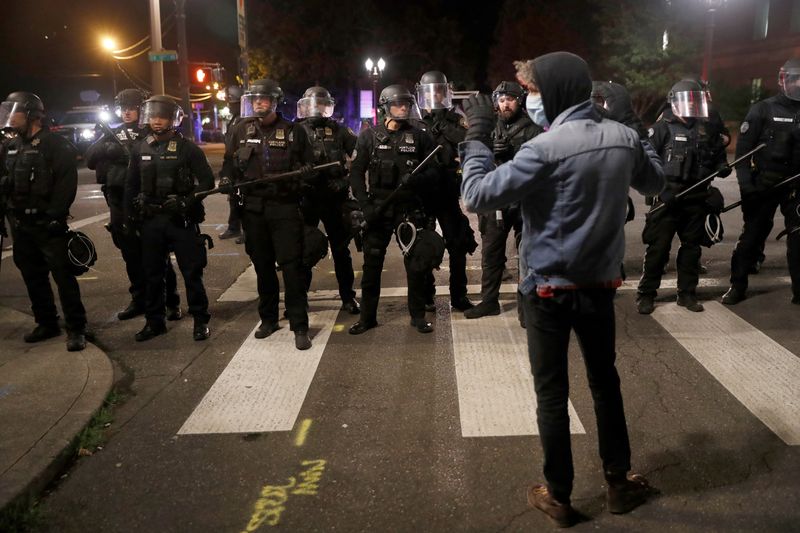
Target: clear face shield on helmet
[[160, 116], [402, 109], [257, 105], [689, 104], [315, 106], [435, 96], [789, 82], [13, 116]]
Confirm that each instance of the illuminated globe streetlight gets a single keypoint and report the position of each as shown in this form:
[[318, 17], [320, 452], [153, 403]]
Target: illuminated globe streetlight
[[375, 70]]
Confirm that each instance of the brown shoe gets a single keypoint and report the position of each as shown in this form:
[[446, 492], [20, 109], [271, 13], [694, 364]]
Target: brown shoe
[[560, 514], [626, 493]]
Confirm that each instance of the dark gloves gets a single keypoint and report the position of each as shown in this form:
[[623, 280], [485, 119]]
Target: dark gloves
[[667, 196], [480, 116], [409, 180], [501, 146], [724, 172], [176, 203], [307, 173], [225, 185], [57, 228]]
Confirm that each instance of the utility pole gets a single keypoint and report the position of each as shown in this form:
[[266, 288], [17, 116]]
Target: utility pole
[[155, 46], [183, 63], [241, 18]]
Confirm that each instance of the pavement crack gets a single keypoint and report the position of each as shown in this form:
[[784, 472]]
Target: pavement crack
[[512, 519]]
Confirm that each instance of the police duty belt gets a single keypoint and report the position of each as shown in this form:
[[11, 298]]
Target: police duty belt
[[712, 176], [736, 204], [266, 179]]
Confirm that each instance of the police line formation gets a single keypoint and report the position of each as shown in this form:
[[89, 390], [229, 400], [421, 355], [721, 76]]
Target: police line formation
[[550, 157]]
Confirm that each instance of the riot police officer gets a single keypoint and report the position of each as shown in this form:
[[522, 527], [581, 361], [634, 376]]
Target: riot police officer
[[388, 195], [39, 185], [233, 96], [447, 128], [691, 150], [165, 171], [264, 143], [775, 122], [109, 158], [325, 196], [512, 129]]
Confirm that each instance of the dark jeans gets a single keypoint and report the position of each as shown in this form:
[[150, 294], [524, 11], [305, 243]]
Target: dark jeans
[[459, 240], [275, 235], [687, 220], [329, 210], [590, 313], [758, 213], [130, 246], [494, 234], [376, 240], [38, 255], [160, 235]]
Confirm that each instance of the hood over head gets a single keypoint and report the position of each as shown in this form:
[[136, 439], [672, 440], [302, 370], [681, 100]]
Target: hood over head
[[618, 104], [563, 80]]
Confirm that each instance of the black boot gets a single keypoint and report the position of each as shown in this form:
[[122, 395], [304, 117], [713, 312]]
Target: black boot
[[689, 301], [360, 327], [645, 304], [201, 330], [422, 325], [733, 296], [150, 330], [42, 333], [265, 329], [301, 340], [230, 233], [461, 304], [483, 309], [174, 313], [351, 306], [76, 341], [132, 311]]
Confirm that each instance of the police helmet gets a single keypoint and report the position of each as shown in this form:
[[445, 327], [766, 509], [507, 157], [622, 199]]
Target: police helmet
[[160, 106], [789, 78], [315, 246], [129, 99], [508, 88], [80, 252], [20, 102], [688, 99], [395, 95], [434, 91], [427, 251], [316, 102], [259, 92]]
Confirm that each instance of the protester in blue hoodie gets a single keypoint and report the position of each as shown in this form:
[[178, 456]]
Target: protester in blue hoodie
[[572, 182]]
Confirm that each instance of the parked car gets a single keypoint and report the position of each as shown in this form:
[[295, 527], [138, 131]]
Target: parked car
[[79, 125]]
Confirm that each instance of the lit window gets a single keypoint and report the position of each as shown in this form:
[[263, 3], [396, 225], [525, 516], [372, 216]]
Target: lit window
[[761, 20], [366, 104]]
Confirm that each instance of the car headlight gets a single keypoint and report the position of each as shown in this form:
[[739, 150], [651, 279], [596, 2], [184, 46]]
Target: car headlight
[[105, 116], [88, 134]]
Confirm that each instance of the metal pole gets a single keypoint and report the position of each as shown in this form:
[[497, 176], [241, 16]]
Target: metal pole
[[183, 62], [113, 77], [708, 44], [155, 46], [374, 99], [244, 61]]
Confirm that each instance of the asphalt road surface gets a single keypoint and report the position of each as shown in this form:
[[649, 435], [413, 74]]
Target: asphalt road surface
[[399, 431]]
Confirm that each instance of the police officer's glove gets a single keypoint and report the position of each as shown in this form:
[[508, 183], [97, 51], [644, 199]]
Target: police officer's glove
[[56, 228], [225, 185], [307, 173], [409, 180], [176, 203], [667, 197], [480, 116], [113, 150], [501, 146], [724, 172]]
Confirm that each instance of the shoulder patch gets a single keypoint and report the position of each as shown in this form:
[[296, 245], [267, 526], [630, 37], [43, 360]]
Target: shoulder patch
[[744, 127], [463, 122], [650, 132]]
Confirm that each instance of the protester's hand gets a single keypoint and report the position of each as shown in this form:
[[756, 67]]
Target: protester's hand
[[480, 117], [225, 185]]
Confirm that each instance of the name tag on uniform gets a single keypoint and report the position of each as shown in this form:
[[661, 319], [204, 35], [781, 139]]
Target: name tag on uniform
[[681, 138], [407, 149], [783, 119], [146, 158], [254, 141], [170, 157], [384, 147], [13, 152], [277, 144]]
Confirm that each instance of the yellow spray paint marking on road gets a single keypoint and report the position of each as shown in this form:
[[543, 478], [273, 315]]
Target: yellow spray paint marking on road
[[302, 432], [338, 328], [272, 499]]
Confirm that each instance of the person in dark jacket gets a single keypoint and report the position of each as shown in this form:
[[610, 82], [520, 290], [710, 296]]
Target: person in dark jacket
[[572, 184], [233, 95]]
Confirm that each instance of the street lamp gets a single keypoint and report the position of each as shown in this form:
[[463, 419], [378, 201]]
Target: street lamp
[[711, 6], [110, 45], [375, 71]]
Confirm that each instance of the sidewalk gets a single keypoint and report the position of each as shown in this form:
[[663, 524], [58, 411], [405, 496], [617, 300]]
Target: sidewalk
[[47, 396]]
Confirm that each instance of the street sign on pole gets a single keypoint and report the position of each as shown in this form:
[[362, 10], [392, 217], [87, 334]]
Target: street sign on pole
[[163, 55]]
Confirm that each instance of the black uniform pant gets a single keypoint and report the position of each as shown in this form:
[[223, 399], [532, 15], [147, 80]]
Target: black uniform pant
[[687, 219], [758, 213], [590, 313], [234, 213], [38, 255], [330, 211], [459, 240], [494, 234], [130, 246], [376, 240], [164, 233], [275, 235]]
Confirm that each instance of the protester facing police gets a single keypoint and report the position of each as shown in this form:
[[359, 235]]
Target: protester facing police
[[572, 184], [447, 128], [391, 197], [325, 195], [109, 158], [774, 122], [165, 170], [233, 97], [691, 150], [39, 183], [264, 143], [513, 127]]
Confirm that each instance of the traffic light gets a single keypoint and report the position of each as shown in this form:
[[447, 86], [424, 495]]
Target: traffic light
[[201, 75]]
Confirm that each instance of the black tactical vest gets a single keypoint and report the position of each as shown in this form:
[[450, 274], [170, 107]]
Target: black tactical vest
[[29, 182], [115, 178], [781, 133], [687, 154], [264, 151], [394, 153], [164, 168], [325, 142]]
